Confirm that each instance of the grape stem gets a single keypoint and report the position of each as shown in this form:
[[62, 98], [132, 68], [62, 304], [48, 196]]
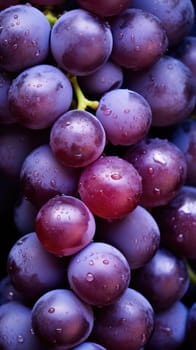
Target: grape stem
[[82, 102], [192, 274], [52, 18]]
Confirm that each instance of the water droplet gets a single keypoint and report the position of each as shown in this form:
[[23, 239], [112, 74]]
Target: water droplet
[[180, 237], [116, 176], [159, 158], [106, 111], [58, 330], [91, 262], [20, 339], [20, 242], [150, 170], [51, 310], [106, 262], [89, 277], [157, 191]]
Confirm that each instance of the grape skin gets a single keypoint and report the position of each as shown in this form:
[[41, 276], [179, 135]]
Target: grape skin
[[99, 274], [61, 319], [88, 32], [103, 8], [39, 95], [24, 37], [64, 225], [110, 187]]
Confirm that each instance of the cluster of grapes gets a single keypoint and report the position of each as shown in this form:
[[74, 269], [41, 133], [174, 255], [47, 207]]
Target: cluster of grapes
[[98, 175]]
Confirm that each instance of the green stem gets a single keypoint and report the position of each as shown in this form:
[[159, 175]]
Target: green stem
[[52, 18], [82, 102], [192, 274]]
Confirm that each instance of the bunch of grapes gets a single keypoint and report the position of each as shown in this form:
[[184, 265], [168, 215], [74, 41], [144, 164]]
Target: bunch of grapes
[[98, 175]]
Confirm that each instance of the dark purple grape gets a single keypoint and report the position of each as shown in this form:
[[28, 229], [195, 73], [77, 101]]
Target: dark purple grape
[[9, 293], [89, 346], [162, 167], [164, 280], [125, 325], [39, 95], [6, 117], [61, 319], [24, 215], [170, 328], [126, 116], [65, 225], [99, 274], [108, 77], [77, 138], [186, 52], [139, 39], [32, 270], [177, 16], [16, 142], [8, 3], [24, 37], [191, 327], [104, 8], [137, 236], [87, 48], [16, 331], [177, 223], [111, 187], [170, 103], [42, 176], [184, 137]]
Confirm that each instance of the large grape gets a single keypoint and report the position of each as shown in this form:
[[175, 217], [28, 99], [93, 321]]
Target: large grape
[[39, 95], [87, 48], [24, 37], [61, 319], [139, 39], [170, 103], [137, 236], [64, 225], [125, 115], [104, 8], [111, 187], [126, 324], [162, 167], [77, 138], [99, 274]]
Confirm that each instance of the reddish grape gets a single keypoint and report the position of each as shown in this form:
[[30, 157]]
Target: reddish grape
[[64, 225], [77, 138], [104, 8], [162, 167], [111, 187], [99, 274]]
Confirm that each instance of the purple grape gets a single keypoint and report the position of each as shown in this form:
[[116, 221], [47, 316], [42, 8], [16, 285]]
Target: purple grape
[[42, 176], [16, 331], [126, 116], [184, 137], [186, 52], [24, 37], [61, 319], [39, 95], [24, 215], [164, 280], [170, 328], [127, 324], [108, 77], [177, 223], [103, 8], [64, 225], [191, 327], [32, 270], [111, 187], [177, 16], [139, 39], [162, 167], [89, 34], [137, 236], [8, 292], [89, 346], [99, 274], [77, 138], [6, 116], [170, 103]]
